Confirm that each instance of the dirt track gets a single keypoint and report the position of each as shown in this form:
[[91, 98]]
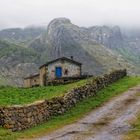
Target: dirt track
[[108, 122]]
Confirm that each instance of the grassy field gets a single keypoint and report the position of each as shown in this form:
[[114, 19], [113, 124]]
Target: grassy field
[[75, 113], [134, 134], [16, 96]]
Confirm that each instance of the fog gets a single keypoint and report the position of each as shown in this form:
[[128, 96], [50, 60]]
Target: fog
[[21, 13]]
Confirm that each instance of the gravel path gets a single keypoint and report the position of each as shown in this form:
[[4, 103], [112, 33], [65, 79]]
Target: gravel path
[[108, 122]]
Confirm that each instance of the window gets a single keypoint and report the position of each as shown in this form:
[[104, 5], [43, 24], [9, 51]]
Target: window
[[66, 72]]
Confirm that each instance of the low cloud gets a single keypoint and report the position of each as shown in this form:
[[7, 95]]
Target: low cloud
[[21, 13]]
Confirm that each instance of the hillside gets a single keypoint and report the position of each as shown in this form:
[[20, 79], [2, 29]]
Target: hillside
[[100, 49], [15, 62], [19, 35], [63, 38], [125, 43]]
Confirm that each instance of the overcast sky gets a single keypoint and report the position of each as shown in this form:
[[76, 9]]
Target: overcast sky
[[21, 13]]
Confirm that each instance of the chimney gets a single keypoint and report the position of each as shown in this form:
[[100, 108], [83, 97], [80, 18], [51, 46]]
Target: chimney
[[71, 57]]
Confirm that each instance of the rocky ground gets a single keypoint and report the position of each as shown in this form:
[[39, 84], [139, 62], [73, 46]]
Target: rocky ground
[[108, 122]]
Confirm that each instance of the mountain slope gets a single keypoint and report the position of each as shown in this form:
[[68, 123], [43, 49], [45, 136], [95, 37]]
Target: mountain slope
[[97, 48], [16, 62], [19, 35], [126, 44], [63, 38]]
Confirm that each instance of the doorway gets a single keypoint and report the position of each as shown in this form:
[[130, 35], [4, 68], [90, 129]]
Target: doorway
[[58, 72]]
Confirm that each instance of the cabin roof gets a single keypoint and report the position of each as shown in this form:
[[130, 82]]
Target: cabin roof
[[32, 76], [62, 58]]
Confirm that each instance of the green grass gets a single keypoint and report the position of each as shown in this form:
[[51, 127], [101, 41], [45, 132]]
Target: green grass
[[75, 113], [17, 96], [134, 134]]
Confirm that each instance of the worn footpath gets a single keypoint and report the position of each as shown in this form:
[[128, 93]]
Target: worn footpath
[[108, 122]]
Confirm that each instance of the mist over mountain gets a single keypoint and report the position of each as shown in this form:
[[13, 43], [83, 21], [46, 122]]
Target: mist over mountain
[[19, 35], [99, 48], [126, 43]]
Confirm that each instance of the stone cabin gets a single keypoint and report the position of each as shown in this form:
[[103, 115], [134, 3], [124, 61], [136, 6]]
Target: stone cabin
[[60, 68]]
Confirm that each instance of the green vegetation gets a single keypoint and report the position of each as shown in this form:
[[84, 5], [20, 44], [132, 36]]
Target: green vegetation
[[8, 49], [134, 134], [16, 96], [76, 112], [129, 55]]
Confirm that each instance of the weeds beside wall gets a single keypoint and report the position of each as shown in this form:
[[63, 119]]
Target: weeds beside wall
[[18, 118]]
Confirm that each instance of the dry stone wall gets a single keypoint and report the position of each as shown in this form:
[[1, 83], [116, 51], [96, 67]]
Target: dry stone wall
[[18, 118]]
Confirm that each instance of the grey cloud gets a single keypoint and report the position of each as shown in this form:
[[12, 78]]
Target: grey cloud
[[20, 13]]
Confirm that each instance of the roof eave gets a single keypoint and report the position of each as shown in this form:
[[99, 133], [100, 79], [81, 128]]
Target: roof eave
[[62, 58]]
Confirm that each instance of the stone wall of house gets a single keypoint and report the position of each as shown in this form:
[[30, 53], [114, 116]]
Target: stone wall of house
[[19, 118], [69, 69], [35, 81], [42, 75], [32, 81], [27, 83]]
